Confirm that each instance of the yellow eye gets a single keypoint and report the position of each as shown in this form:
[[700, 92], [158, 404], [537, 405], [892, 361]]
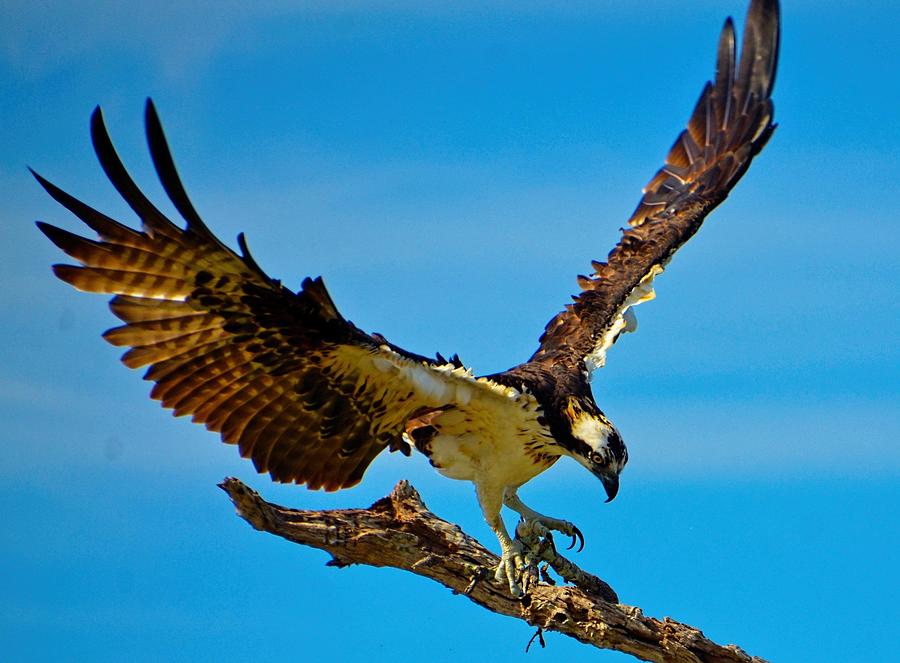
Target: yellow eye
[[597, 458]]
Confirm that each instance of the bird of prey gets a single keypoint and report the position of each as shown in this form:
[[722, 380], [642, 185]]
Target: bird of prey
[[312, 399]]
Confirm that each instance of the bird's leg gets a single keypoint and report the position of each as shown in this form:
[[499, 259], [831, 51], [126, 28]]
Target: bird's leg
[[538, 521], [512, 559]]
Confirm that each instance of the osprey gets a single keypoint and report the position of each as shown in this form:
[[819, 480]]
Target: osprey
[[312, 399]]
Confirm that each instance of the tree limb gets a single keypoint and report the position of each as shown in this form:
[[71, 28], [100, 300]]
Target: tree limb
[[398, 531]]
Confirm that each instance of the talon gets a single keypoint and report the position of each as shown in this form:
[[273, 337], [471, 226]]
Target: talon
[[577, 533]]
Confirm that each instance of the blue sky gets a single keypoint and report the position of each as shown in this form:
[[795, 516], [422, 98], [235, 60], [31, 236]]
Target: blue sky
[[449, 169]]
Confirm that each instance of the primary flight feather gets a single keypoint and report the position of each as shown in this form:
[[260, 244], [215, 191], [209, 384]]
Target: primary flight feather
[[312, 399]]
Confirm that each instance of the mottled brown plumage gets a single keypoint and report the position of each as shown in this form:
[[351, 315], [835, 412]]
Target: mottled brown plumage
[[282, 375], [729, 126], [312, 399]]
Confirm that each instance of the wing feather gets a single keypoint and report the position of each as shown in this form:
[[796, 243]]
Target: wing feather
[[167, 329], [305, 394], [189, 371], [166, 350], [730, 124], [105, 227], [264, 431], [204, 403], [154, 222], [143, 309]]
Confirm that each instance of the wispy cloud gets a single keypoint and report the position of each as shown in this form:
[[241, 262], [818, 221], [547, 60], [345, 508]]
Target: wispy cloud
[[40, 37], [181, 37]]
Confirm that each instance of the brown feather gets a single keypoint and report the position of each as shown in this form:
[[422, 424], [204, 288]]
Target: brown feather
[[167, 329], [144, 309], [730, 124], [151, 353], [229, 345]]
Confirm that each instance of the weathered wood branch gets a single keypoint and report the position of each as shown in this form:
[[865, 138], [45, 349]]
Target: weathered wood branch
[[398, 531]]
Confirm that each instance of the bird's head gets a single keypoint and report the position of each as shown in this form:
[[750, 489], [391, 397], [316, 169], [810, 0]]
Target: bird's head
[[595, 443]]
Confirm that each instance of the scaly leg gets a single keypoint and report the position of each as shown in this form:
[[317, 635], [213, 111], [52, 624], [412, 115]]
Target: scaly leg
[[532, 517], [512, 559]]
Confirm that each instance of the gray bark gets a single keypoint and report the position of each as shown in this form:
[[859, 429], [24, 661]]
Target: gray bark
[[398, 531]]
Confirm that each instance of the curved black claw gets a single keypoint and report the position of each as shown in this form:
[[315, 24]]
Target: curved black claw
[[578, 537]]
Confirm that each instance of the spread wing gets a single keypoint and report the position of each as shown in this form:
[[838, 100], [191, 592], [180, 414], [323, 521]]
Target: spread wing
[[303, 392], [730, 124]]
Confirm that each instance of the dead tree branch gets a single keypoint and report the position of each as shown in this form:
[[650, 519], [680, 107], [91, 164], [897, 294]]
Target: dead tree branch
[[398, 531]]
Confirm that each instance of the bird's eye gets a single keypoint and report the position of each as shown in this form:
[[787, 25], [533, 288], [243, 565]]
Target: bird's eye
[[596, 458]]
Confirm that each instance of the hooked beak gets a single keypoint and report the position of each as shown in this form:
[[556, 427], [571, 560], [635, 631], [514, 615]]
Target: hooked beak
[[610, 484]]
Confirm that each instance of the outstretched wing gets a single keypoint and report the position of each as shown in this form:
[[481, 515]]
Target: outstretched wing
[[729, 126], [307, 395]]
